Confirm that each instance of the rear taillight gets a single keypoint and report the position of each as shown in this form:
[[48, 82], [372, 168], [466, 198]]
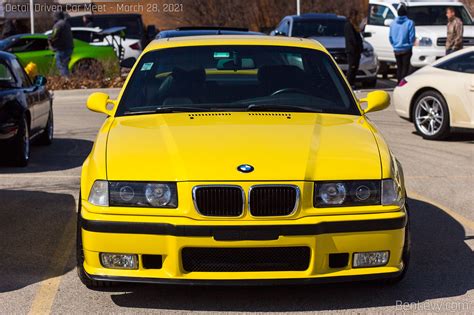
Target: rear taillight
[[135, 46], [402, 83]]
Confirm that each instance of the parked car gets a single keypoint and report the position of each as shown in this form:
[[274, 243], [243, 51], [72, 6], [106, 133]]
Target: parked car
[[26, 111], [124, 47], [440, 97], [135, 28], [35, 48], [204, 30], [430, 23], [246, 159], [328, 29]]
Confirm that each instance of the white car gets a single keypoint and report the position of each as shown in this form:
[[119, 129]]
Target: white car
[[430, 24], [439, 97], [92, 35]]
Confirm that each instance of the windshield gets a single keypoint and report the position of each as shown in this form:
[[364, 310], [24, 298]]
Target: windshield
[[436, 15], [318, 28], [237, 78]]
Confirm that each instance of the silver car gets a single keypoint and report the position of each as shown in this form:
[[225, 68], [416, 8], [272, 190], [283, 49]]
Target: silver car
[[328, 29]]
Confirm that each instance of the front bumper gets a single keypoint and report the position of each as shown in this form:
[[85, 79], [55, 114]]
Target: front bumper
[[423, 56], [168, 236]]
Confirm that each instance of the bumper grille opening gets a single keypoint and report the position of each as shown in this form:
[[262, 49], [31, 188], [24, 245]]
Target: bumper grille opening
[[273, 200], [152, 261], [219, 201], [245, 259], [339, 260]]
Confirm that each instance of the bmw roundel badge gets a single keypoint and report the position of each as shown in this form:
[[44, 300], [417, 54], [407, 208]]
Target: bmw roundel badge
[[245, 168]]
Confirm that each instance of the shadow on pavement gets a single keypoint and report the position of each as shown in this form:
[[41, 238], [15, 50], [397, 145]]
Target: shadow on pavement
[[33, 225], [442, 265], [63, 154], [458, 136]]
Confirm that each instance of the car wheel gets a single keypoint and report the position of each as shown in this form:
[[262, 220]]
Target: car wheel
[[46, 138], [21, 144], [81, 273], [405, 254], [88, 68], [431, 116]]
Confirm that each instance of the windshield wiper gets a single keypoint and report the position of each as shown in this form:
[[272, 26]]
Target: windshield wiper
[[284, 108], [168, 109]]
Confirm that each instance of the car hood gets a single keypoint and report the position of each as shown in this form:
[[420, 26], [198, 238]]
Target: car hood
[[435, 31], [210, 147]]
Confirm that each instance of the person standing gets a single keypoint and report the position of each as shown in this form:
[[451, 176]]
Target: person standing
[[353, 46], [62, 42], [9, 28], [455, 31]]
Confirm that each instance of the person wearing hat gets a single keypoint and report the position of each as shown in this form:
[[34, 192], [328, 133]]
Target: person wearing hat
[[402, 38], [61, 41]]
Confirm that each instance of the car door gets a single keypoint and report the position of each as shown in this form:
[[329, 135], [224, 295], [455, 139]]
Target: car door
[[34, 50], [379, 18]]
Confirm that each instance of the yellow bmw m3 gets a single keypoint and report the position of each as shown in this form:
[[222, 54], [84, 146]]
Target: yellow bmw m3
[[240, 160]]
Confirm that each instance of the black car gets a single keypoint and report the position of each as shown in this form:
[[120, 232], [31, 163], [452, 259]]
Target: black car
[[26, 111], [204, 30]]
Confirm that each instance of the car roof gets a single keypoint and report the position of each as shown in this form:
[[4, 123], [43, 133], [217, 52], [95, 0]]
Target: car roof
[[224, 40], [316, 16], [180, 32], [7, 56], [419, 3]]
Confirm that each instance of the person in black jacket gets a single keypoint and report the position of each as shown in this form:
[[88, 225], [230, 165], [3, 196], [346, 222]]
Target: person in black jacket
[[353, 46], [62, 42]]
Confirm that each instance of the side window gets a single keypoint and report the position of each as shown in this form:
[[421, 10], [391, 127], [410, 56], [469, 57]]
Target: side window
[[378, 14], [7, 79], [29, 44], [17, 68], [463, 63], [284, 27], [85, 36]]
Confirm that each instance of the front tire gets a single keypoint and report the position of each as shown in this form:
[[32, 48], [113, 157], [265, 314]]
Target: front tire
[[20, 155], [81, 273], [431, 116], [47, 136]]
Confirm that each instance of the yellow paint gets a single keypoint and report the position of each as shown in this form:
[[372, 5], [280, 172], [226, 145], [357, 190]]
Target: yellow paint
[[196, 148]]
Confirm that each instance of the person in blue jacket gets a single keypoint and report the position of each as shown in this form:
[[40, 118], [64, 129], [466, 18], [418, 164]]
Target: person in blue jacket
[[402, 38]]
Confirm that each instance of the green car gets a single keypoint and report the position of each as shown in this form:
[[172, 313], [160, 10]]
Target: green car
[[85, 59]]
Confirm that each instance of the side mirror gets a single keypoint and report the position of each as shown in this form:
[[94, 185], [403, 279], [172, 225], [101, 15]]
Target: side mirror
[[128, 62], [376, 100], [100, 103], [366, 34], [387, 22], [40, 80]]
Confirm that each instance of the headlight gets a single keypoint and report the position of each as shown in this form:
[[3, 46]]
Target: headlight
[[134, 194], [425, 41], [346, 193]]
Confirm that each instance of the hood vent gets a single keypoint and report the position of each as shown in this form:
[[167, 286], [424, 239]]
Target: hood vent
[[191, 116], [288, 116]]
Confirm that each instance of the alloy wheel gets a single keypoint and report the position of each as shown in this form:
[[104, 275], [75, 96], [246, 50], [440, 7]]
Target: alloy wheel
[[429, 115]]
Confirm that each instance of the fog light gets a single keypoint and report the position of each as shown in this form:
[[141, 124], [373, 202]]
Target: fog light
[[119, 261], [370, 259]]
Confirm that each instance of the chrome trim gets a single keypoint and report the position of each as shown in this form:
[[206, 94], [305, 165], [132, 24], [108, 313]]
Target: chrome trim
[[297, 201], [242, 214]]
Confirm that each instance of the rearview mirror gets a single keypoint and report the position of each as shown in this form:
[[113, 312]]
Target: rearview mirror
[[376, 100], [128, 62], [387, 22], [101, 103]]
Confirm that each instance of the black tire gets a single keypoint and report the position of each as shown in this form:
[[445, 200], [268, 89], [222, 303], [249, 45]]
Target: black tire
[[81, 273], [88, 69], [369, 84], [405, 254], [20, 154], [46, 138], [438, 107]]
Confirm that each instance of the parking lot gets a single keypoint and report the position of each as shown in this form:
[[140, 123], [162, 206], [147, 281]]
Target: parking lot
[[38, 206]]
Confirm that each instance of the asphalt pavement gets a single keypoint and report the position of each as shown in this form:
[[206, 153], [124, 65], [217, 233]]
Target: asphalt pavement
[[38, 207]]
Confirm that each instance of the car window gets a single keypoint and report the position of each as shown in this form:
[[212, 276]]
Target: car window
[[29, 44], [378, 14], [463, 63], [24, 79], [284, 27], [436, 15], [234, 77], [7, 79], [319, 28], [134, 28]]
